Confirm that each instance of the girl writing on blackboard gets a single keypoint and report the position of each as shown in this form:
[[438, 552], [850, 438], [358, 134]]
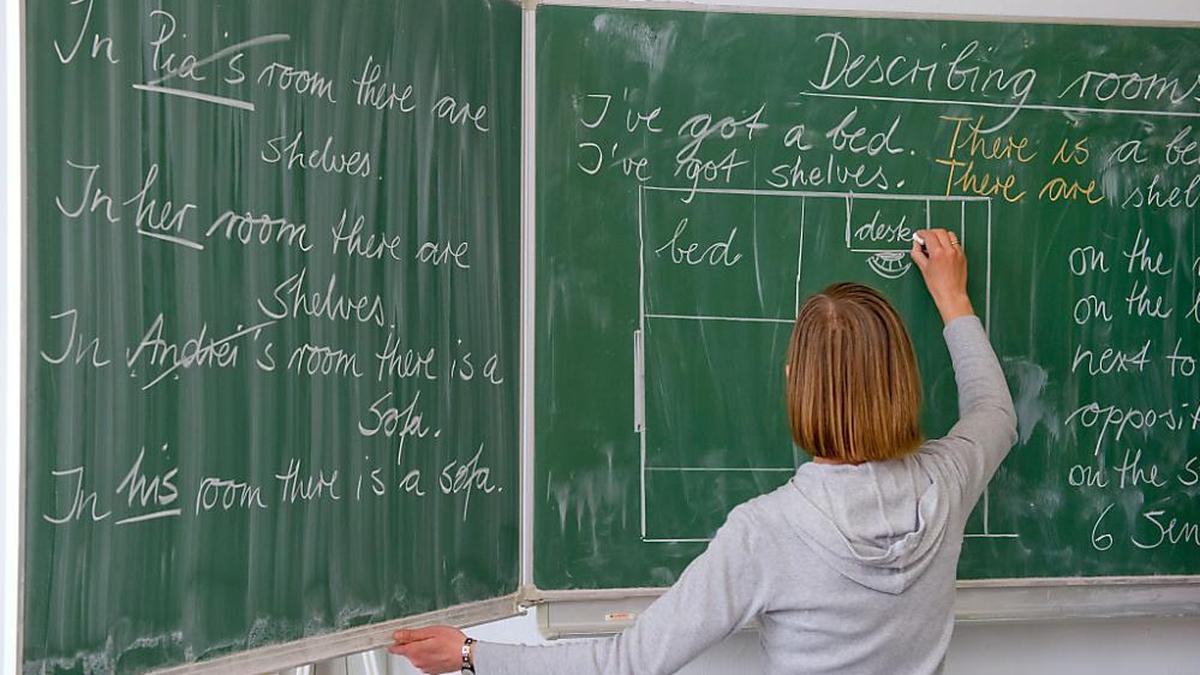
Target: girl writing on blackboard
[[850, 566]]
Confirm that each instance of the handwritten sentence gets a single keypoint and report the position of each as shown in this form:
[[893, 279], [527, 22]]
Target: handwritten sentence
[[152, 489], [175, 70], [173, 221]]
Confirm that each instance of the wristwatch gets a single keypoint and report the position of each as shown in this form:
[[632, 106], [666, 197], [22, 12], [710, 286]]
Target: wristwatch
[[468, 655]]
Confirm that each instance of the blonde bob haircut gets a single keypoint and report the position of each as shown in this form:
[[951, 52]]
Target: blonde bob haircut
[[853, 390]]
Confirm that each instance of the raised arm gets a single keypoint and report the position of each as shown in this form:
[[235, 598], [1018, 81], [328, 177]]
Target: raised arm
[[720, 591], [987, 424]]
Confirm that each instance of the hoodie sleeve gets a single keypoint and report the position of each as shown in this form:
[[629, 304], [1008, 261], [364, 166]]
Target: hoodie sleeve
[[719, 591], [987, 424]]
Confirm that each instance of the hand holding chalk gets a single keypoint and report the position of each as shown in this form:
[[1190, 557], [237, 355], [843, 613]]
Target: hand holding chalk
[[939, 256]]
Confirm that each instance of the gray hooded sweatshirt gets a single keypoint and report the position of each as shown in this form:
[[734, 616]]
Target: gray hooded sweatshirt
[[849, 568]]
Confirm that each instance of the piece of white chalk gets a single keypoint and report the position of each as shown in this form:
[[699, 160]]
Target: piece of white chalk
[[917, 238]]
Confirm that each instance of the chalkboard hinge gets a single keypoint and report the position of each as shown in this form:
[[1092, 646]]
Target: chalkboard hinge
[[528, 596], [639, 382]]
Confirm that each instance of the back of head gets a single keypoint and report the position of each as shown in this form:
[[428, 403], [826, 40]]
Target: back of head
[[853, 390]]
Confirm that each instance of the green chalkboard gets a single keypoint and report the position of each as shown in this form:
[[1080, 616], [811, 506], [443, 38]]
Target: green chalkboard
[[699, 174], [272, 322]]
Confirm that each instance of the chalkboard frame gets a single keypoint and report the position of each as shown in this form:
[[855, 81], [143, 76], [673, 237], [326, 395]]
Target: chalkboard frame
[[694, 6], [309, 650], [592, 611], [601, 612], [355, 640]]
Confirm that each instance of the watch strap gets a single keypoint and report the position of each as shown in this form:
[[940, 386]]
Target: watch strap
[[468, 655]]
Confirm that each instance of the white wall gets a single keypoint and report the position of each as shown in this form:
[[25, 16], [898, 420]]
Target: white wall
[[10, 284]]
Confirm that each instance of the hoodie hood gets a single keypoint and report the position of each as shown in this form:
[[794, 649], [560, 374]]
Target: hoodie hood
[[878, 524]]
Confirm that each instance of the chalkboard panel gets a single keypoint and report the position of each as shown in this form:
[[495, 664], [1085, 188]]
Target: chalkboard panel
[[699, 174], [272, 324]]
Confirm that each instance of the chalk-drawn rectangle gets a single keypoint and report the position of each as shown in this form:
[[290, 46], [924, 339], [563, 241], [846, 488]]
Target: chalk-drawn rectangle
[[706, 385], [713, 257], [877, 226]]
